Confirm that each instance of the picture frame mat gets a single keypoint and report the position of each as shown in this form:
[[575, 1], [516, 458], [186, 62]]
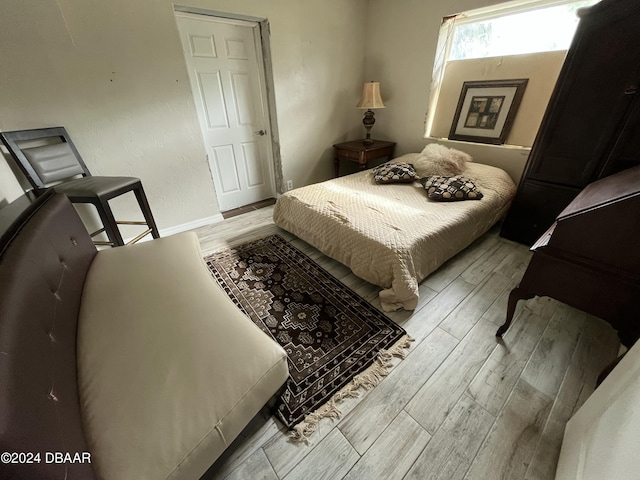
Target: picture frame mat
[[509, 94]]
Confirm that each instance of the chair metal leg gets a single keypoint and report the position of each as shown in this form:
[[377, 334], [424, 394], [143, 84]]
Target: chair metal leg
[[515, 295], [146, 211], [109, 222]]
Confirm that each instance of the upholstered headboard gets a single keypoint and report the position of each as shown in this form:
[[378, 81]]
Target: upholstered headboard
[[44, 257]]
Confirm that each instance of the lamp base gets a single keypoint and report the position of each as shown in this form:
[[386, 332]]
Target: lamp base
[[368, 120]]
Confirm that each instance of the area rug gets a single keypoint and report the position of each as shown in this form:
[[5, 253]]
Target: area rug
[[337, 343]]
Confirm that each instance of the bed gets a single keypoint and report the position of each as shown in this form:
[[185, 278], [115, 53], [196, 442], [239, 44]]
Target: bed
[[392, 235]]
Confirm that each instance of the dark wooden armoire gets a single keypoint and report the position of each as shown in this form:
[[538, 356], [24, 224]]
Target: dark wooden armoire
[[591, 128]]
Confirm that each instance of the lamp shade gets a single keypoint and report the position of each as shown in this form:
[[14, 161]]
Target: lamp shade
[[370, 96]]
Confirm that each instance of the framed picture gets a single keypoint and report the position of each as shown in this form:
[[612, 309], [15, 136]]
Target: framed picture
[[486, 110]]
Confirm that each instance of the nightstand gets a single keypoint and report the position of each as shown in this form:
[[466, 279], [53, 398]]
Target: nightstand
[[360, 152]]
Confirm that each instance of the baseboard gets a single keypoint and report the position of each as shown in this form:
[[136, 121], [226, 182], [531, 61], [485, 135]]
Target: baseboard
[[165, 232], [202, 222]]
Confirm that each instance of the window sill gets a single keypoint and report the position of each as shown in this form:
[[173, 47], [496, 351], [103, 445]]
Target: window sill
[[461, 144]]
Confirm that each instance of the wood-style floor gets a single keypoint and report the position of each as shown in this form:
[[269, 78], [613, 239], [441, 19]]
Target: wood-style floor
[[461, 405]]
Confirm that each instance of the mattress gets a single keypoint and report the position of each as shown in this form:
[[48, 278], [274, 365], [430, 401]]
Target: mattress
[[392, 235]]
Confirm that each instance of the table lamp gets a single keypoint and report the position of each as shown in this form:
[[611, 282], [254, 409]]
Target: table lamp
[[370, 99]]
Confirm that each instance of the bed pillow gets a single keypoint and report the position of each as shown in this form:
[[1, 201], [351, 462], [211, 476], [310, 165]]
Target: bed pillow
[[450, 189], [436, 159], [394, 173]]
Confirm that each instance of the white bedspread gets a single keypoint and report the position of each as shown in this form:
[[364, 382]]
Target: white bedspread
[[392, 235]]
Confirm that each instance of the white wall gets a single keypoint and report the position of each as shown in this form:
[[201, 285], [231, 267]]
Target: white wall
[[401, 44], [112, 72]]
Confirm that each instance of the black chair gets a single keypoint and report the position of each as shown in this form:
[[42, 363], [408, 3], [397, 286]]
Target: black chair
[[57, 164]]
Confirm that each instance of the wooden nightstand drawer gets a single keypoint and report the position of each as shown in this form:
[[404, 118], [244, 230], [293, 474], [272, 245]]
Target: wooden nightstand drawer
[[358, 151], [350, 154]]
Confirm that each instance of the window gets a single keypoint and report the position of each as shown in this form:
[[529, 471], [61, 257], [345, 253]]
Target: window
[[512, 28], [543, 29]]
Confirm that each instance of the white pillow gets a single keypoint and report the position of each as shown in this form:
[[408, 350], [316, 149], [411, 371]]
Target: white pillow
[[436, 159]]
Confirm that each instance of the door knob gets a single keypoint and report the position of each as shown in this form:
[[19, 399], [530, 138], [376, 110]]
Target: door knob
[[260, 132]]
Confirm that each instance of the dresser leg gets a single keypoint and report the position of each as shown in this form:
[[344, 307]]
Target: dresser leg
[[515, 295]]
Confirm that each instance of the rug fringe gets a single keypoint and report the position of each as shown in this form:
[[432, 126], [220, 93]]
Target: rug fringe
[[366, 380]]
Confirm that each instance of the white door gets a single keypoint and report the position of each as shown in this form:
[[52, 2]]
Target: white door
[[225, 71]]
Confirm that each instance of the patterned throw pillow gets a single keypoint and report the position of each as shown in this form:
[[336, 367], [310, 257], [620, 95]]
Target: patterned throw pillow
[[450, 189], [394, 173]]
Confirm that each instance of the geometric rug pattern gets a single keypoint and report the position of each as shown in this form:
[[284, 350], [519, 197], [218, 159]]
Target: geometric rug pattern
[[330, 334]]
